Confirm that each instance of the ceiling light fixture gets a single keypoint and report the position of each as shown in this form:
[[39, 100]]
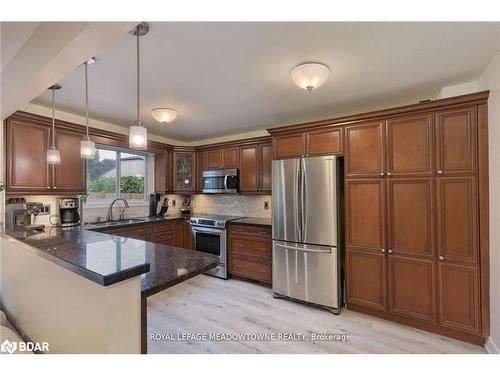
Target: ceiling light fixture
[[309, 76], [164, 115], [138, 135], [87, 147], [53, 154]]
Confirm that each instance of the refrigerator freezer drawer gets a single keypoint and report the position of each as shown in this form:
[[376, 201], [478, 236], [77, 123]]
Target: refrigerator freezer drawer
[[306, 272]]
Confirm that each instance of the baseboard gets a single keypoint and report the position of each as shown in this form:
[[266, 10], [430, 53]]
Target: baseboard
[[491, 347]]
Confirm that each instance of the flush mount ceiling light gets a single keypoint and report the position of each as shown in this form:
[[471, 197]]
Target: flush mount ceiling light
[[53, 154], [87, 147], [164, 115], [138, 135], [309, 76]]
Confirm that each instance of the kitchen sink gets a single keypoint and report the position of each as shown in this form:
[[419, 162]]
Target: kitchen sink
[[119, 222]]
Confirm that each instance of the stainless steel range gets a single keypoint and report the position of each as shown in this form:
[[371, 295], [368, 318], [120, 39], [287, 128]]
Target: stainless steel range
[[209, 236]]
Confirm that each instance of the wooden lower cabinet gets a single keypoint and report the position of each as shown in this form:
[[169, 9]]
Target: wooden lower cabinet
[[459, 297], [366, 278], [412, 287], [250, 252]]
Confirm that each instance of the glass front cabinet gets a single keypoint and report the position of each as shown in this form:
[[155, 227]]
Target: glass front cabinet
[[184, 171]]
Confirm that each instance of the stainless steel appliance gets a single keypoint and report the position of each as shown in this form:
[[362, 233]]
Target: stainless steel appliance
[[209, 236], [307, 230], [18, 214], [222, 181], [68, 212]]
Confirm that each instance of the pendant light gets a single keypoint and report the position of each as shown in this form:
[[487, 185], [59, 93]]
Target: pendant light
[[87, 147], [138, 136], [53, 154]]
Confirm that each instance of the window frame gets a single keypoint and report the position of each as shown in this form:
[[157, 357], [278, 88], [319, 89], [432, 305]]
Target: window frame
[[119, 151]]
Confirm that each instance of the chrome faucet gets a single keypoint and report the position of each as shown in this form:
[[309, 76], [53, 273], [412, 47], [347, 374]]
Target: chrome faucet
[[110, 209]]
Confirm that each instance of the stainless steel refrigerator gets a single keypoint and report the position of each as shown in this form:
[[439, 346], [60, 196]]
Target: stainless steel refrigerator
[[307, 230]]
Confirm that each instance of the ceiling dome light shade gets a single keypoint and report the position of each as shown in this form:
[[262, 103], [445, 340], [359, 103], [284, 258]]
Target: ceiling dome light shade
[[164, 115], [310, 76], [138, 137]]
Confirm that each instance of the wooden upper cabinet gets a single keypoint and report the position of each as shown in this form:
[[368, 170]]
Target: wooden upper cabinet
[[289, 146], [459, 306], [266, 162], [160, 171], [184, 167], [255, 168], [366, 279], [365, 214], [365, 150], [230, 157], [456, 140], [200, 167], [70, 175], [213, 159], [457, 219], [26, 157], [412, 287], [410, 217], [410, 149], [324, 142]]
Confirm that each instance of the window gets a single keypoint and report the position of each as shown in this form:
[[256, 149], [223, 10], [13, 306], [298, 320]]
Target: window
[[114, 173]]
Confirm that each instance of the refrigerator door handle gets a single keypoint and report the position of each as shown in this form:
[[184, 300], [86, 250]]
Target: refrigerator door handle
[[299, 196], [303, 207], [305, 250]]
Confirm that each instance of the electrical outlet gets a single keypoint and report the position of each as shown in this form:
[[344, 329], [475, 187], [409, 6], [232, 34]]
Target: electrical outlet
[[45, 210], [266, 205], [173, 202]]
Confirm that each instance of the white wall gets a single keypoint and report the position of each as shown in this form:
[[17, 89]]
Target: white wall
[[490, 80]]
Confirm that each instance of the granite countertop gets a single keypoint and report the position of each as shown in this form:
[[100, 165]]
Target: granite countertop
[[107, 259], [257, 221]]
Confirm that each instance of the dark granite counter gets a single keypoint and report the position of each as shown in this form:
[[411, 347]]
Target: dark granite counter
[[107, 259], [257, 221]]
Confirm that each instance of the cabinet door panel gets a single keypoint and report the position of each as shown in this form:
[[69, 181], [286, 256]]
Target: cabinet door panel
[[410, 146], [410, 215], [365, 213], [27, 168], [161, 171], [200, 166], [266, 162], [457, 219], [213, 159], [412, 287], [249, 169], [459, 297], [70, 175], [365, 279], [324, 142], [365, 150], [456, 141], [230, 157], [288, 146], [184, 171]]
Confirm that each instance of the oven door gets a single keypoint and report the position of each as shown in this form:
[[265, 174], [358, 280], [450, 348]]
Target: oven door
[[210, 241], [222, 181]]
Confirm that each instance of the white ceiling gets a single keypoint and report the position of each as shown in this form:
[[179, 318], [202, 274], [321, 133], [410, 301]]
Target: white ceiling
[[14, 35], [227, 78]]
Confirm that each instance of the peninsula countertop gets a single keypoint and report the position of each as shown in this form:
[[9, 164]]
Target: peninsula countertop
[[107, 259]]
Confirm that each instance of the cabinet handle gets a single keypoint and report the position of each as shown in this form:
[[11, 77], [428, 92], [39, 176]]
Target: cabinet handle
[[382, 174], [441, 257], [383, 250], [390, 251], [440, 171], [48, 187], [55, 187], [389, 174]]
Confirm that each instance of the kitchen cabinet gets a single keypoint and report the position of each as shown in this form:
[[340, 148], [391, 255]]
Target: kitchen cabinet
[[326, 141], [70, 175], [184, 167], [223, 158], [457, 219], [255, 169], [456, 141], [289, 146], [410, 148], [250, 252], [365, 150], [200, 167]]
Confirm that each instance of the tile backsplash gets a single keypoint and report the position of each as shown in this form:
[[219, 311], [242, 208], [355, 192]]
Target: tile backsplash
[[237, 205]]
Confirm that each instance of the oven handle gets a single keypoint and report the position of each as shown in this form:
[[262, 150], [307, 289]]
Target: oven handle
[[204, 232], [225, 182]]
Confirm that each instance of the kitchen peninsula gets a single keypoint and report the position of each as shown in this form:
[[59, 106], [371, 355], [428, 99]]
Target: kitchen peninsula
[[98, 280]]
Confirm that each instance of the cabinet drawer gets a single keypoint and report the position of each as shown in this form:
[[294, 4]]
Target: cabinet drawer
[[260, 271], [164, 227], [136, 230], [144, 237], [164, 237], [251, 247], [250, 230]]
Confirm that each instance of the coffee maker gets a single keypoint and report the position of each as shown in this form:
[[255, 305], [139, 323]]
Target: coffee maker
[[68, 212]]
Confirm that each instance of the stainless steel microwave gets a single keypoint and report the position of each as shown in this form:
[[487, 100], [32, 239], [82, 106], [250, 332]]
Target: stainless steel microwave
[[223, 181]]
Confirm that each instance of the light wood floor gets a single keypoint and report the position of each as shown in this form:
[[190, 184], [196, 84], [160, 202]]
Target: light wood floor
[[207, 304]]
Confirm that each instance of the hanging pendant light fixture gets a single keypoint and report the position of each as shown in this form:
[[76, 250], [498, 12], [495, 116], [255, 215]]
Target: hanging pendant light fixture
[[87, 147], [138, 136], [53, 154]]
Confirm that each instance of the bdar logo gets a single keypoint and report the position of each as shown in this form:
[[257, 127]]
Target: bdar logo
[[8, 347]]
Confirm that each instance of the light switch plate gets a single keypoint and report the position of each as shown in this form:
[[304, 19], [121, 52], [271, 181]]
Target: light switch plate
[[45, 210], [266, 205]]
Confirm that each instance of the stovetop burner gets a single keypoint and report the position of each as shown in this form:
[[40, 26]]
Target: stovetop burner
[[213, 221]]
